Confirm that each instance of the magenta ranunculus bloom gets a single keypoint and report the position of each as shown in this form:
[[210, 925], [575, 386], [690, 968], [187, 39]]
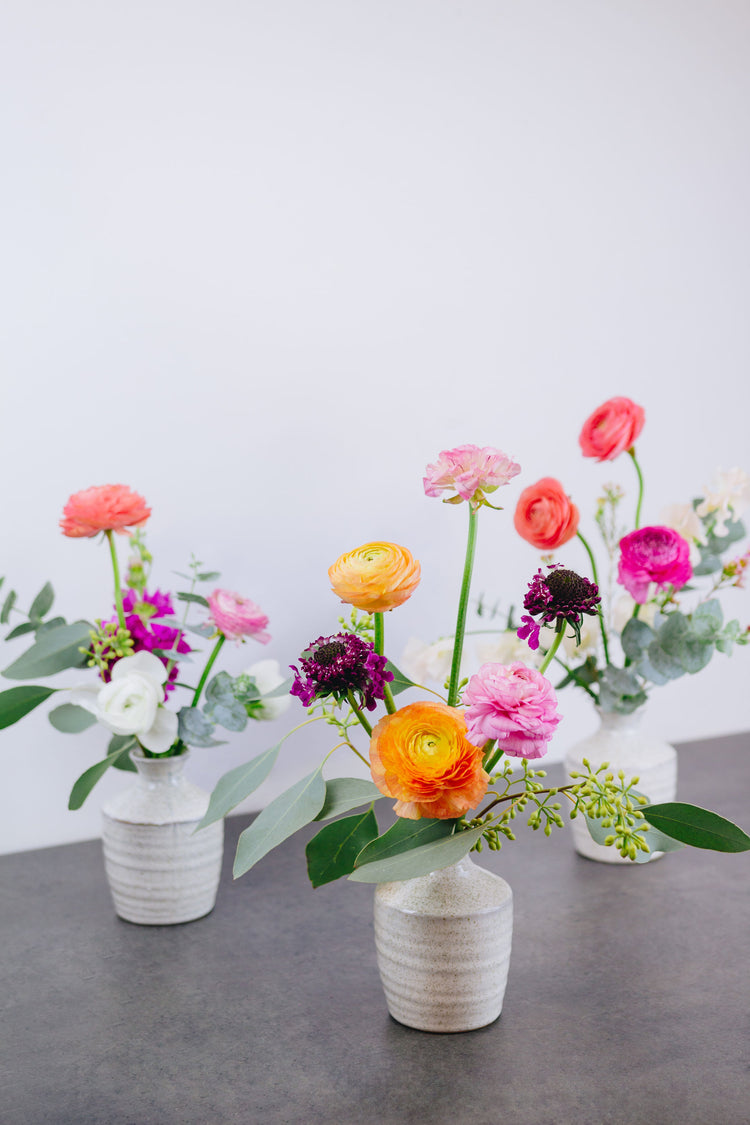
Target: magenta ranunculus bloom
[[653, 554], [237, 617], [470, 471], [514, 704]]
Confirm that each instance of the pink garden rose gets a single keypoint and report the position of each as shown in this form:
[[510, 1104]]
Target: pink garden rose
[[653, 554], [237, 617], [611, 429], [470, 472], [514, 704]]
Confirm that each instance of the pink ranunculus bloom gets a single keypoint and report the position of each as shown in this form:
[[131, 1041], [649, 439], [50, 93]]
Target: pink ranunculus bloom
[[237, 617], [104, 507], [470, 471], [514, 704], [611, 429], [653, 554]]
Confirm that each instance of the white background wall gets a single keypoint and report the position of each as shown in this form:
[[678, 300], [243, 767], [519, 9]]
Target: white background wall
[[262, 261]]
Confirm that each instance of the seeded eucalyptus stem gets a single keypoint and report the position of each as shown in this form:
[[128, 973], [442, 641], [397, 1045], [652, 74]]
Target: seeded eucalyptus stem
[[116, 569], [379, 641], [595, 576], [631, 454], [358, 713], [463, 602], [207, 669]]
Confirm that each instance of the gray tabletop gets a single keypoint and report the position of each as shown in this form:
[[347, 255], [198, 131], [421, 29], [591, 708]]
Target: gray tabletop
[[627, 999]]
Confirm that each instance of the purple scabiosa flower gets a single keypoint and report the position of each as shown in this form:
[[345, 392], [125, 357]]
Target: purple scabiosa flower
[[147, 633], [337, 665], [558, 598]]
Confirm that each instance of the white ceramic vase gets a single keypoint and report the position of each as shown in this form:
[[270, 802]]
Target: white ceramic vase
[[160, 870], [621, 742], [443, 945]]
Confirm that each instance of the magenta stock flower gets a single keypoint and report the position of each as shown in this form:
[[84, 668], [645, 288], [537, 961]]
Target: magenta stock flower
[[469, 471], [653, 554], [147, 633], [337, 665], [515, 705], [237, 617]]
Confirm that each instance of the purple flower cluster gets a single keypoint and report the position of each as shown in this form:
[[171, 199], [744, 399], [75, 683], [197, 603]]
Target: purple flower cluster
[[560, 597], [337, 665], [147, 633]]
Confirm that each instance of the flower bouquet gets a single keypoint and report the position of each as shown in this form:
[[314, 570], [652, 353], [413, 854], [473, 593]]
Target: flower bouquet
[[136, 656], [450, 764]]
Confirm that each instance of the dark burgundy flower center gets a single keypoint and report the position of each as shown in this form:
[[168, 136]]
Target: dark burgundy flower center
[[329, 652]]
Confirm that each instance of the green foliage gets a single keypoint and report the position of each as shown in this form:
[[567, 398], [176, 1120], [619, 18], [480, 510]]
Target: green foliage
[[221, 706], [332, 853], [400, 682], [238, 784], [123, 742], [717, 545], [54, 651], [698, 827], [19, 630], [71, 719], [345, 793], [403, 836], [42, 603], [19, 701], [291, 811], [195, 729], [89, 778], [197, 598], [620, 690], [8, 604], [432, 856]]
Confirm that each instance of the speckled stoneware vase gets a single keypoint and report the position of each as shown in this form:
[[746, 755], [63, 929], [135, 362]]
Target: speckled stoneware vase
[[621, 742], [443, 945], [160, 870]]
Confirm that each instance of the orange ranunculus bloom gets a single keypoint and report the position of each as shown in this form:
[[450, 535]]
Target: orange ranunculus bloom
[[375, 577], [545, 516], [421, 756], [104, 507]]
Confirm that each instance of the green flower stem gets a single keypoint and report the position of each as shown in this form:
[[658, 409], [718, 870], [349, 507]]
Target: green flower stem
[[379, 642], [207, 669], [631, 453], [358, 713], [463, 602], [551, 651], [116, 569], [600, 615]]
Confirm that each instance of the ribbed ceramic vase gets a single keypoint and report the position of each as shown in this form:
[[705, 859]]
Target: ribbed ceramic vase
[[621, 742], [443, 946], [160, 870]]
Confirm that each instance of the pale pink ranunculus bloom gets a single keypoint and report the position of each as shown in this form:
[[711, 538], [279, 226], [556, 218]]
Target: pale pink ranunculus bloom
[[237, 617], [653, 554], [515, 705], [730, 497], [470, 471]]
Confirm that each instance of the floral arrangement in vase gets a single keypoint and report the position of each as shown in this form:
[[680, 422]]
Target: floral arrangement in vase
[[136, 654], [449, 762]]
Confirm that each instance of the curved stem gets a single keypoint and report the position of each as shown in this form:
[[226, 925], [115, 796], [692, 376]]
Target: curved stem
[[631, 453], [116, 569], [600, 615], [358, 713], [361, 757], [207, 669], [552, 650], [463, 602], [379, 641]]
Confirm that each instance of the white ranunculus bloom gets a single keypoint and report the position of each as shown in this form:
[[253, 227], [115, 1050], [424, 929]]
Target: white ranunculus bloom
[[131, 703], [730, 498], [684, 519], [266, 676], [622, 611], [431, 662]]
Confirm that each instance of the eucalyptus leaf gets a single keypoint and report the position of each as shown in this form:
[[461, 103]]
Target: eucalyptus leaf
[[89, 778], [400, 682], [698, 827], [204, 630], [173, 655], [234, 786], [664, 663], [42, 603], [55, 650], [71, 719], [8, 604], [19, 630], [197, 598], [231, 715], [47, 626], [670, 635], [695, 654], [221, 688], [657, 841], [331, 854], [646, 669], [635, 638], [403, 836], [345, 793], [195, 729], [123, 742], [707, 618], [419, 861], [19, 701], [209, 576], [282, 818]]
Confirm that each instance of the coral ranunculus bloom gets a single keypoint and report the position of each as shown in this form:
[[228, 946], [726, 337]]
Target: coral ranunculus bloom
[[545, 515], [104, 507], [611, 429], [375, 577], [421, 756]]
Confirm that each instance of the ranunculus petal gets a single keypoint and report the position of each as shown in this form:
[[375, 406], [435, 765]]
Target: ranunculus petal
[[545, 515], [514, 704], [375, 577], [142, 664], [162, 733], [611, 429]]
